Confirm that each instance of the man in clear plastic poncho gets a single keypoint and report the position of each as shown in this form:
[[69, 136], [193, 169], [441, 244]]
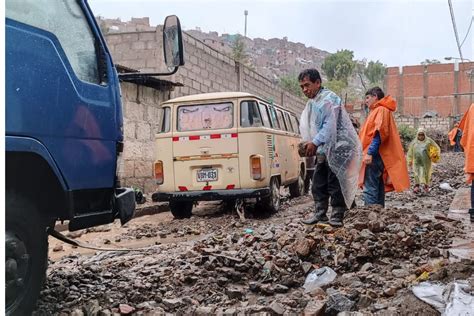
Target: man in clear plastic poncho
[[422, 151], [328, 133]]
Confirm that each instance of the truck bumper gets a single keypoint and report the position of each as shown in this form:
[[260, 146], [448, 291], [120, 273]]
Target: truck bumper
[[123, 208], [210, 195], [124, 204]]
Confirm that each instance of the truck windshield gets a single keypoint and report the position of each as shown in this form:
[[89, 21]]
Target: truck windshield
[[66, 20], [205, 116]]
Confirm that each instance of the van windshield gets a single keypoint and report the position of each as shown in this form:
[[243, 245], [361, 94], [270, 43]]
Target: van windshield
[[205, 116]]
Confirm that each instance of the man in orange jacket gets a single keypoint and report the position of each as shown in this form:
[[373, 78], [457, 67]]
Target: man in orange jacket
[[384, 167], [467, 142], [454, 137]]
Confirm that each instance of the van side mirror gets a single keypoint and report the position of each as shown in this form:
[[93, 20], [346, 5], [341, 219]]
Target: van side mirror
[[173, 42]]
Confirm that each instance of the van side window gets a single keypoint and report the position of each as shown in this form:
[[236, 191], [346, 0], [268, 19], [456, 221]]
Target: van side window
[[282, 121], [288, 122], [68, 23], [165, 121], [264, 115], [273, 118], [295, 123], [249, 114]]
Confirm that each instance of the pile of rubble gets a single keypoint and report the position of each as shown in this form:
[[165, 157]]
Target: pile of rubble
[[262, 265], [260, 268]]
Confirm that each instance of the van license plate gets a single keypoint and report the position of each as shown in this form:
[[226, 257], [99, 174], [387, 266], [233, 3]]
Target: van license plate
[[206, 175]]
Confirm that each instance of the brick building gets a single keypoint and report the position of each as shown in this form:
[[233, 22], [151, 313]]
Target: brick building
[[443, 88]]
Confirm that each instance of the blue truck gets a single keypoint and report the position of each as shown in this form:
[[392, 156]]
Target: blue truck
[[63, 133]]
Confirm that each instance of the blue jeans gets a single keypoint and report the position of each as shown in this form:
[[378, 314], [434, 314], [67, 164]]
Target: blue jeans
[[374, 189]]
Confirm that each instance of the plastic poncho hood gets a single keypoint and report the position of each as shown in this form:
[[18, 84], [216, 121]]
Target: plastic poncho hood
[[343, 150]]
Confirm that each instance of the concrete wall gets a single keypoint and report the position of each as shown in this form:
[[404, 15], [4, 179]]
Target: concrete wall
[[438, 123], [141, 116], [423, 88], [206, 69]]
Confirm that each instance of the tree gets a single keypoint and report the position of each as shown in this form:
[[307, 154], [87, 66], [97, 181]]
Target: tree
[[336, 86], [430, 62], [291, 84], [238, 50], [375, 72], [339, 66]]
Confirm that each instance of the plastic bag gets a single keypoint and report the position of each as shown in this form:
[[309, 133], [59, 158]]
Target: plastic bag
[[318, 278], [434, 153], [451, 299]]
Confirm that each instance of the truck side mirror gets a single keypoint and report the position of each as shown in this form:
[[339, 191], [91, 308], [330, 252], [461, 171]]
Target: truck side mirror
[[173, 42]]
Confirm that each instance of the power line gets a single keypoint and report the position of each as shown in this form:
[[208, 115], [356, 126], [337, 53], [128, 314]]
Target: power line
[[455, 29], [468, 30]]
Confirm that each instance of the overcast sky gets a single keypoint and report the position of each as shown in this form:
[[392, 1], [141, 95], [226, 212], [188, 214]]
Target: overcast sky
[[396, 32]]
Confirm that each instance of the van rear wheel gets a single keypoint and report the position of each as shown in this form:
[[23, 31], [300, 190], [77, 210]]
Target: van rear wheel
[[297, 188], [181, 209], [272, 202]]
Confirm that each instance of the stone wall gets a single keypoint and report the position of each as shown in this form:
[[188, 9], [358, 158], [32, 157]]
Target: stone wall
[[141, 116], [206, 69], [437, 123]]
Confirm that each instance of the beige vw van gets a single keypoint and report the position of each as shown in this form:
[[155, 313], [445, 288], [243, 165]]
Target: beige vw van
[[226, 146]]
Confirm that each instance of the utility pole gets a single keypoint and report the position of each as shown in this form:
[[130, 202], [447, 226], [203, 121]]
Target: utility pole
[[245, 13]]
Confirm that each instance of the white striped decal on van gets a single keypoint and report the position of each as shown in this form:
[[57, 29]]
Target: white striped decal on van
[[204, 137]]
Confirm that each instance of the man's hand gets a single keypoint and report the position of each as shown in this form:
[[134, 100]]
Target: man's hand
[[368, 159], [310, 149]]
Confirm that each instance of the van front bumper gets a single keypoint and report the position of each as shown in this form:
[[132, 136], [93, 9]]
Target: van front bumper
[[210, 195]]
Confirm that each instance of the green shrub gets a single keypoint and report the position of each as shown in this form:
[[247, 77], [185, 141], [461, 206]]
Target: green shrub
[[407, 134]]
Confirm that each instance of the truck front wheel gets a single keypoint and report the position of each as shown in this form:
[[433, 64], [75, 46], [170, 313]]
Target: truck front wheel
[[26, 254]]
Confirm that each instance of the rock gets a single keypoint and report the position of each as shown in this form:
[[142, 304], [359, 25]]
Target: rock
[[338, 302], [105, 312], [126, 309], [267, 289], [172, 303], [317, 292], [366, 267], [302, 247], [92, 308], [366, 234], [391, 291], [204, 310], [364, 301], [58, 248], [234, 293], [315, 307], [254, 286], [230, 312], [306, 266], [346, 313], [400, 273], [277, 308], [147, 305], [75, 234], [279, 288], [379, 306], [434, 252], [77, 312]]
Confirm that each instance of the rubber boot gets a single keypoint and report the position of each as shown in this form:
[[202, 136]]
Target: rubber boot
[[471, 214], [337, 215], [319, 215]]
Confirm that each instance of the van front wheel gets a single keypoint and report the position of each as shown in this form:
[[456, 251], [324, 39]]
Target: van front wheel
[[181, 209], [272, 202]]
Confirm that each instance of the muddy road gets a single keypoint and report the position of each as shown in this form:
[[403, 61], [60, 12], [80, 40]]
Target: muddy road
[[217, 263]]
